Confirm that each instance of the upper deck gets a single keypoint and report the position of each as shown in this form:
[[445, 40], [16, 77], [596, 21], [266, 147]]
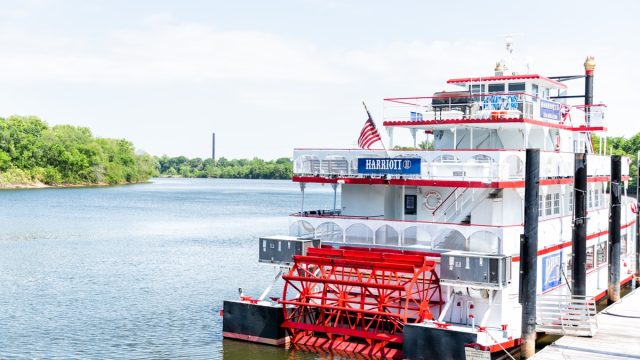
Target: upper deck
[[495, 102]]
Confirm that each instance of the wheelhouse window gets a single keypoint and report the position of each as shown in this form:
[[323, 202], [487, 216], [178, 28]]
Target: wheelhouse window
[[496, 88], [516, 87], [547, 205], [596, 198]]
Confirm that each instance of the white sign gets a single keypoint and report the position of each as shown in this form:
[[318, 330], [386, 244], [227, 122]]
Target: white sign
[[475, 354]]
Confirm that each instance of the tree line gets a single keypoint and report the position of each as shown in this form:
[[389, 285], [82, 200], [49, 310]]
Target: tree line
[[224, 168], [31, 151]]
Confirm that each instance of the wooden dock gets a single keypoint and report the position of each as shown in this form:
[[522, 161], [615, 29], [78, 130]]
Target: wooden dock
[[618, 335]]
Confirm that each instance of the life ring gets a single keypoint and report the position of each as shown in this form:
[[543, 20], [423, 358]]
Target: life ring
[[634, 207]]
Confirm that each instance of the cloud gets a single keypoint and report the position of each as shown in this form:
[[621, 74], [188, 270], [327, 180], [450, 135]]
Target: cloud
[[161, 52]]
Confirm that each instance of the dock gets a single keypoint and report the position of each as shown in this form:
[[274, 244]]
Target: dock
[[618, 335]]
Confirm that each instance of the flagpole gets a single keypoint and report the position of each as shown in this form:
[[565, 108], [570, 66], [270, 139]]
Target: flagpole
[[370, 117]]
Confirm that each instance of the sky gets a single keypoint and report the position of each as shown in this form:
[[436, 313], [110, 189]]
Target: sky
[[270, 76]]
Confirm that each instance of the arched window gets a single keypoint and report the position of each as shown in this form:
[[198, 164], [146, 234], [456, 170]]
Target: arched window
[[359, 234], [484, 242], [329, 232], [410, 236], [415, 237], [386, 235], [450, 240], [301, 228]]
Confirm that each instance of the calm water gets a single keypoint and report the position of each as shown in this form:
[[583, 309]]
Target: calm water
[[137, 271]]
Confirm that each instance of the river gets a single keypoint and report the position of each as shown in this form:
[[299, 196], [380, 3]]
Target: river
[[137, 271]]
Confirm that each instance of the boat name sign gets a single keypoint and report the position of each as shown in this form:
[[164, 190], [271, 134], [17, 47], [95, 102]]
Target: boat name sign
[[549, 110], [381, 166]]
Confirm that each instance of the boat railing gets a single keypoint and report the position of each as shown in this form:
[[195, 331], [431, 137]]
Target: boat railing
[[484, 165], [494, 106], [378, 231]]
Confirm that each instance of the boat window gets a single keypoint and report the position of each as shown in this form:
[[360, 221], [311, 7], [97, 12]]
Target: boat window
[[590, 199], [359, 234], [330, 232], [476, 88], [571, 200], [547, 205], [596, 198], [601, 253], [623, 244], [496, 88], [386, 235], [410, 204], [568, 272], [484, 242], [540, 206], [450, 240], [516, 87], [590, 258], [556, 203], [301, 228]]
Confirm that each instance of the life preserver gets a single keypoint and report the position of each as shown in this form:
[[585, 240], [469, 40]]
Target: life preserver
[[634, 207]]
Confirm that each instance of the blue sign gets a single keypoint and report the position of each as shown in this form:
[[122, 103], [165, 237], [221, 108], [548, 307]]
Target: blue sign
[[382, 166], [551, 271], [549, 110], [500, 102]]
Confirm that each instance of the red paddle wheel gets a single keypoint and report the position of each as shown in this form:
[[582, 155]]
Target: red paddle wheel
[[358, 300]]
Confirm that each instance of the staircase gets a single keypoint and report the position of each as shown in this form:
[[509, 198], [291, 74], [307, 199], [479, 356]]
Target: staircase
[[572, 315], [457, 207]]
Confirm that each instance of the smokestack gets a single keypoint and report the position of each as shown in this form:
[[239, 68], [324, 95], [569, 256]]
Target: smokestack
[[213, 146], [589, 66]]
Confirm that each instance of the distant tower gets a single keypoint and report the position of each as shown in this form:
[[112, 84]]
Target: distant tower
[[213, 146]]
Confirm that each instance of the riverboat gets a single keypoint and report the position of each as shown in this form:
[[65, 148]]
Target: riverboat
[[422, 257]]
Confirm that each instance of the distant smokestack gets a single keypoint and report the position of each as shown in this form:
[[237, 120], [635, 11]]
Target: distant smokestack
[[213, 146]]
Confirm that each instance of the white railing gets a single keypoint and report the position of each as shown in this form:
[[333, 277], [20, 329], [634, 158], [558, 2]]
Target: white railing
[[466, 165], [352, 230], [465, 105], [567, 315]]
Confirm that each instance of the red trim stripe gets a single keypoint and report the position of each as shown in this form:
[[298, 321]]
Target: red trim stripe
[[444, 183], [492, 121], [555, 248]]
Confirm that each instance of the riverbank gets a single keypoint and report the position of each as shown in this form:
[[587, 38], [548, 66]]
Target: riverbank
[[41, 185]]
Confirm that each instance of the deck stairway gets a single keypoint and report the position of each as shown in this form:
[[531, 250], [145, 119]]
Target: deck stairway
[[458, 205], [572, 315]]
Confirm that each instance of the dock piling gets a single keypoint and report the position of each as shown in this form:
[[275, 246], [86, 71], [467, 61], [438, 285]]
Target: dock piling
[[579, 236], [614, 229], [529, 254]]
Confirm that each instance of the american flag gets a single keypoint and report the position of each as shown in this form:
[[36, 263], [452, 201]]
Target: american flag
[[369, 134]]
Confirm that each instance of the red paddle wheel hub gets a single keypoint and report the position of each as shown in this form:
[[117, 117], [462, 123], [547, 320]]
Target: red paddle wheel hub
[[358, 300]]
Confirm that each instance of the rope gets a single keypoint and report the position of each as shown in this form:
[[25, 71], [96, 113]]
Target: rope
[[499, 344]]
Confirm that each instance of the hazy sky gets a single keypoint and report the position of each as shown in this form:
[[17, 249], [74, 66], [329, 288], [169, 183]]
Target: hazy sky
[[268, 76]]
